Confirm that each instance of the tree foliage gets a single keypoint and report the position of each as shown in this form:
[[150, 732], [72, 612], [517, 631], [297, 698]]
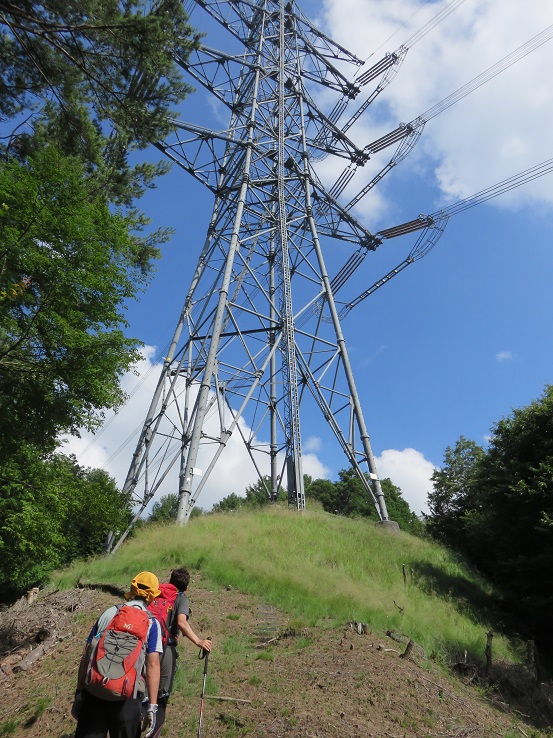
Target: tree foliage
[[256, 495], [165, 510], [496, 507], [514, 510], [117, 57], [229, 503], [348, 496], [62, 345], [52, 511], [454, 490], [84, 86], [98, 80]]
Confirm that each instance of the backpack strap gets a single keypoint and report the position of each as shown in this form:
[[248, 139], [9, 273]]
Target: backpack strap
[[172, 627]]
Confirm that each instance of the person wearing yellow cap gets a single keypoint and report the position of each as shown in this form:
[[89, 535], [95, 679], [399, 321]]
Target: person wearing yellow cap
[[111, 687]]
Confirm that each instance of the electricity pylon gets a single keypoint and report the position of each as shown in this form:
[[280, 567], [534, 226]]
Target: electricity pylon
[[259, 340]]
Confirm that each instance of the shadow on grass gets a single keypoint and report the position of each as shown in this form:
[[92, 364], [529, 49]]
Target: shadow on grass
[[473, 598], [525, 686]]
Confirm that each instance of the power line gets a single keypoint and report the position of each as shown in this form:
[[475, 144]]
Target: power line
[[511, 183], [432, 23], [414, 38], [407, 135], [489, 74], [435, 224]]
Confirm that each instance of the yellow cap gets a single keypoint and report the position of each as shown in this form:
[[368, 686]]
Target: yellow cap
[[145, 585]]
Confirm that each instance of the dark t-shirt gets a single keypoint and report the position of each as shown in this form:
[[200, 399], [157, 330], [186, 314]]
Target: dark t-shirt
[[181, 607]]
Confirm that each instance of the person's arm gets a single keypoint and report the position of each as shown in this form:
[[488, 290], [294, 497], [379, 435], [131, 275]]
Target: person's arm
[[152, 676], [152, 683], [154, 651], [186, 629]]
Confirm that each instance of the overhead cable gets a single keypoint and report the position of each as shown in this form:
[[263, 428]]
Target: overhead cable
[[432, 23], [490, 73], [539, 170]]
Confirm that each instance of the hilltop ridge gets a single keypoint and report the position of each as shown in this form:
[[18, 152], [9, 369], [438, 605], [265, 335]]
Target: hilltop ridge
[[307, 675]]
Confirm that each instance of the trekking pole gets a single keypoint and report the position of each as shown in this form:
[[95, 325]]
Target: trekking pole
[[205, 656]]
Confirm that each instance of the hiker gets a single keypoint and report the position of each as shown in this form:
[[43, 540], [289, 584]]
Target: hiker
[[173, 612], [120, 667]]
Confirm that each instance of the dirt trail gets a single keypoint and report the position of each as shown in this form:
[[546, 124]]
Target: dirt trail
[[304, 682]]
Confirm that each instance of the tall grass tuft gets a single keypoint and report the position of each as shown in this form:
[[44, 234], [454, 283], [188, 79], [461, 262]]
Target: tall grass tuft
[[323, 568]]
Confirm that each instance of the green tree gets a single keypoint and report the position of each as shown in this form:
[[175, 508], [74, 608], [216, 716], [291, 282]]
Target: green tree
[[229, 503], [321, 490], [62, 342], [349, 497], [97, 81], [454, 494], [496, 506], [165, 509], [87, 84], [511, 527], [116, 57], [95, 506], [51, 511], [257, 494]]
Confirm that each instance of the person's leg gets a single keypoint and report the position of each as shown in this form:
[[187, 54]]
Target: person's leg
[[167, 669], [125, 719], [93, 718]]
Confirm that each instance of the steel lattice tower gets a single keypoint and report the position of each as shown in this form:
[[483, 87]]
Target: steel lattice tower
[[259, 337]]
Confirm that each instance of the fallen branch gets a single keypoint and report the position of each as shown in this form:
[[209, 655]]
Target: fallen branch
[[386, 650], [226, 699], [399, 607], [36, 654]]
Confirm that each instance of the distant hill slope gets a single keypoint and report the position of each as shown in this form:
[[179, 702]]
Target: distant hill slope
[[277, 591]]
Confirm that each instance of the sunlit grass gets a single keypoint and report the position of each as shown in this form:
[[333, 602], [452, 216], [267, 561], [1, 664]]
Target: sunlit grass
[[323, 568]]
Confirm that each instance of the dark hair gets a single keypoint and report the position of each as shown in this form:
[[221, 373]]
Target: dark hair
[[180, 578]]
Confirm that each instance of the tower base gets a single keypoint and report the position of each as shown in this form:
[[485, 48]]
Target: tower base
[[390, 525]]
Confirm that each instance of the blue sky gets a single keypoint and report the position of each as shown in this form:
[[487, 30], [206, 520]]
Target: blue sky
[[463, 336]]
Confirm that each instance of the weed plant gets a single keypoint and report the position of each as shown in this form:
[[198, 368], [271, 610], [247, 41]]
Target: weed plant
[[324, 569], [9, 727]]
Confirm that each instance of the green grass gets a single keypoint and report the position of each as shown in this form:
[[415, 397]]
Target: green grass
[[9, 727], [265, 656], [323, 569]]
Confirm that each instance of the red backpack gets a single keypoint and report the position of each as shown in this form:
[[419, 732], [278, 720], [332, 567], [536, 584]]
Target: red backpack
[[162, 608], [116, 659]]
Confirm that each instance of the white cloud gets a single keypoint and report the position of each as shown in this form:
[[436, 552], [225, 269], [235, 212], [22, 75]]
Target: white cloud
[[491, 134], [504, 356], [411, 472], [313, 466], [113, 445], [313, 443]]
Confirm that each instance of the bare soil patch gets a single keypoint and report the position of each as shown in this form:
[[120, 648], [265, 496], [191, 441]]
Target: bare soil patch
[[268, 676]]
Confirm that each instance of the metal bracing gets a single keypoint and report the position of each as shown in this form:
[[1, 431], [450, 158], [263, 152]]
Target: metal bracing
[[259, 350]]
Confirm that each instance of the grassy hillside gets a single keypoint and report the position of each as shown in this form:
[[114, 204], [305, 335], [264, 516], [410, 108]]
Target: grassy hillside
[[321, 569], [275, 590]]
